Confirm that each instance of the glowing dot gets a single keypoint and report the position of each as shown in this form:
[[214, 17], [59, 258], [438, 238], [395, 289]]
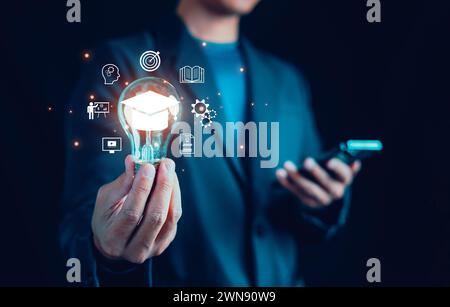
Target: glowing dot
[[241, 69], [252, 104], [266, 104], [86, 55], [70, 111], [92, 97], [126, 83], [182, 98], [204, 44], [241, 147], [50, 109], [76, 144], [156, 144], [218, 94]]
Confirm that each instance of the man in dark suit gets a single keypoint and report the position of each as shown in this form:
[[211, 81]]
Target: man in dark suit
[[242, 225]]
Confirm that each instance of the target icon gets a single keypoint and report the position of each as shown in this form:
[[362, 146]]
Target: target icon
[[150, 60]]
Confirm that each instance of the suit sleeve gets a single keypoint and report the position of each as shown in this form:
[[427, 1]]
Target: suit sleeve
[[87, 168], [312, 225]]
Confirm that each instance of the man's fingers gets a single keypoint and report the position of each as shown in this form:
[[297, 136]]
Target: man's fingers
[[356, 167], [116, 190], [308, 187], [282, 176], [343, 172], [168, 231], [156, 211], [175, 209], [333, 187], [311, 189], [129, 215]]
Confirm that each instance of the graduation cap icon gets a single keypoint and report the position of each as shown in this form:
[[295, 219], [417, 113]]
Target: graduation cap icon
[[149, 111]]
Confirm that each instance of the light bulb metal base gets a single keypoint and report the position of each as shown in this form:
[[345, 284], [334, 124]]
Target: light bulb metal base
[[138, 164]]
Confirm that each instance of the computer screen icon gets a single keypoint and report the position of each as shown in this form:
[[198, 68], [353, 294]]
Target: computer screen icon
[[112, 144]]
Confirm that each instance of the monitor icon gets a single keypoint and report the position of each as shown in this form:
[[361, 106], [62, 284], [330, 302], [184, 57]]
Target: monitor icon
[[112, 144]]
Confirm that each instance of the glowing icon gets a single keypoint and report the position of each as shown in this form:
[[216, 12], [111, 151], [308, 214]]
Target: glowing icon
[[110, 73], [187, 144], [112, 144], [201, 109], [150, 60], [98, 107], [190, 74], [148, 109]]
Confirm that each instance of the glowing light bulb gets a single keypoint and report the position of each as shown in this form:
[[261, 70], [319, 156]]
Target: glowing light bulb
[[147, 110]]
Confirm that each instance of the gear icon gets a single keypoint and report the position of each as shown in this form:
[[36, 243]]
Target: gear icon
[[206, 122], [211, 114], [200, 107]]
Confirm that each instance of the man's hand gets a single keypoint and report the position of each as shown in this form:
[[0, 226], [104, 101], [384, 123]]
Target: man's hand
[[326, 189], [127, 224]]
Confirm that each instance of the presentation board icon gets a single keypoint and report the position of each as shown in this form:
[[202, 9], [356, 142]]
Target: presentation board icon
[[112, 144], [102, 107], [190, 74], [97, 107]]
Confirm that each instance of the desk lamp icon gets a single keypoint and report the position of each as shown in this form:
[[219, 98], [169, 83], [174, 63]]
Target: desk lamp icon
[[147, 110]]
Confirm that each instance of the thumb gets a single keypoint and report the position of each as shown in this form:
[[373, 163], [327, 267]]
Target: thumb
[[120, 187]]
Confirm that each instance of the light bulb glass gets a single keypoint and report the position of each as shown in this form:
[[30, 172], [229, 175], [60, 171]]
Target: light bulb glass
[[147, 109]]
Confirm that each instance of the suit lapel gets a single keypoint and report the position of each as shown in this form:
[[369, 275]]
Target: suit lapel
[[178, 49], [263, 107]]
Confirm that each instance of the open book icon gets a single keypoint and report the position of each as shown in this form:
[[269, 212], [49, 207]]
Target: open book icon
[[190, 74]]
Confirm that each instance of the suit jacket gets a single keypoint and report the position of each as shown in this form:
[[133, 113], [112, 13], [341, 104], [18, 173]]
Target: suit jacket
[[239, 226]]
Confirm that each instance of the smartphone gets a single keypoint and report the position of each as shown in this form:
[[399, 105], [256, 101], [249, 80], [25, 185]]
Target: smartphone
[[348, 152]]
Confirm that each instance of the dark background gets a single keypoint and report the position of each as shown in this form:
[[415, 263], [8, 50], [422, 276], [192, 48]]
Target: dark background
[[389, 81]]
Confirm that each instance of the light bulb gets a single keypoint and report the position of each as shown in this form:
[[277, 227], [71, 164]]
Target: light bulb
[[147, 110]]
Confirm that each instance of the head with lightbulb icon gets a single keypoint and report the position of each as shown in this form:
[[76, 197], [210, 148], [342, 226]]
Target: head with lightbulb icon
[[110, 73], [147, 110]]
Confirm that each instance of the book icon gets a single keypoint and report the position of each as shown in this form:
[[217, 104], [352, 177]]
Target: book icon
[[190, 74]]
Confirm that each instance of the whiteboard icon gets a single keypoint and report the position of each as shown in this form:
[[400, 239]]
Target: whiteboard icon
[[190, 74], [101, 108], [187, 144], [98, 107], [112, 144]]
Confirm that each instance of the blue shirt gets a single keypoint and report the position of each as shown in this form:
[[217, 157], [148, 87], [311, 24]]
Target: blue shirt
[[226, 61]]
